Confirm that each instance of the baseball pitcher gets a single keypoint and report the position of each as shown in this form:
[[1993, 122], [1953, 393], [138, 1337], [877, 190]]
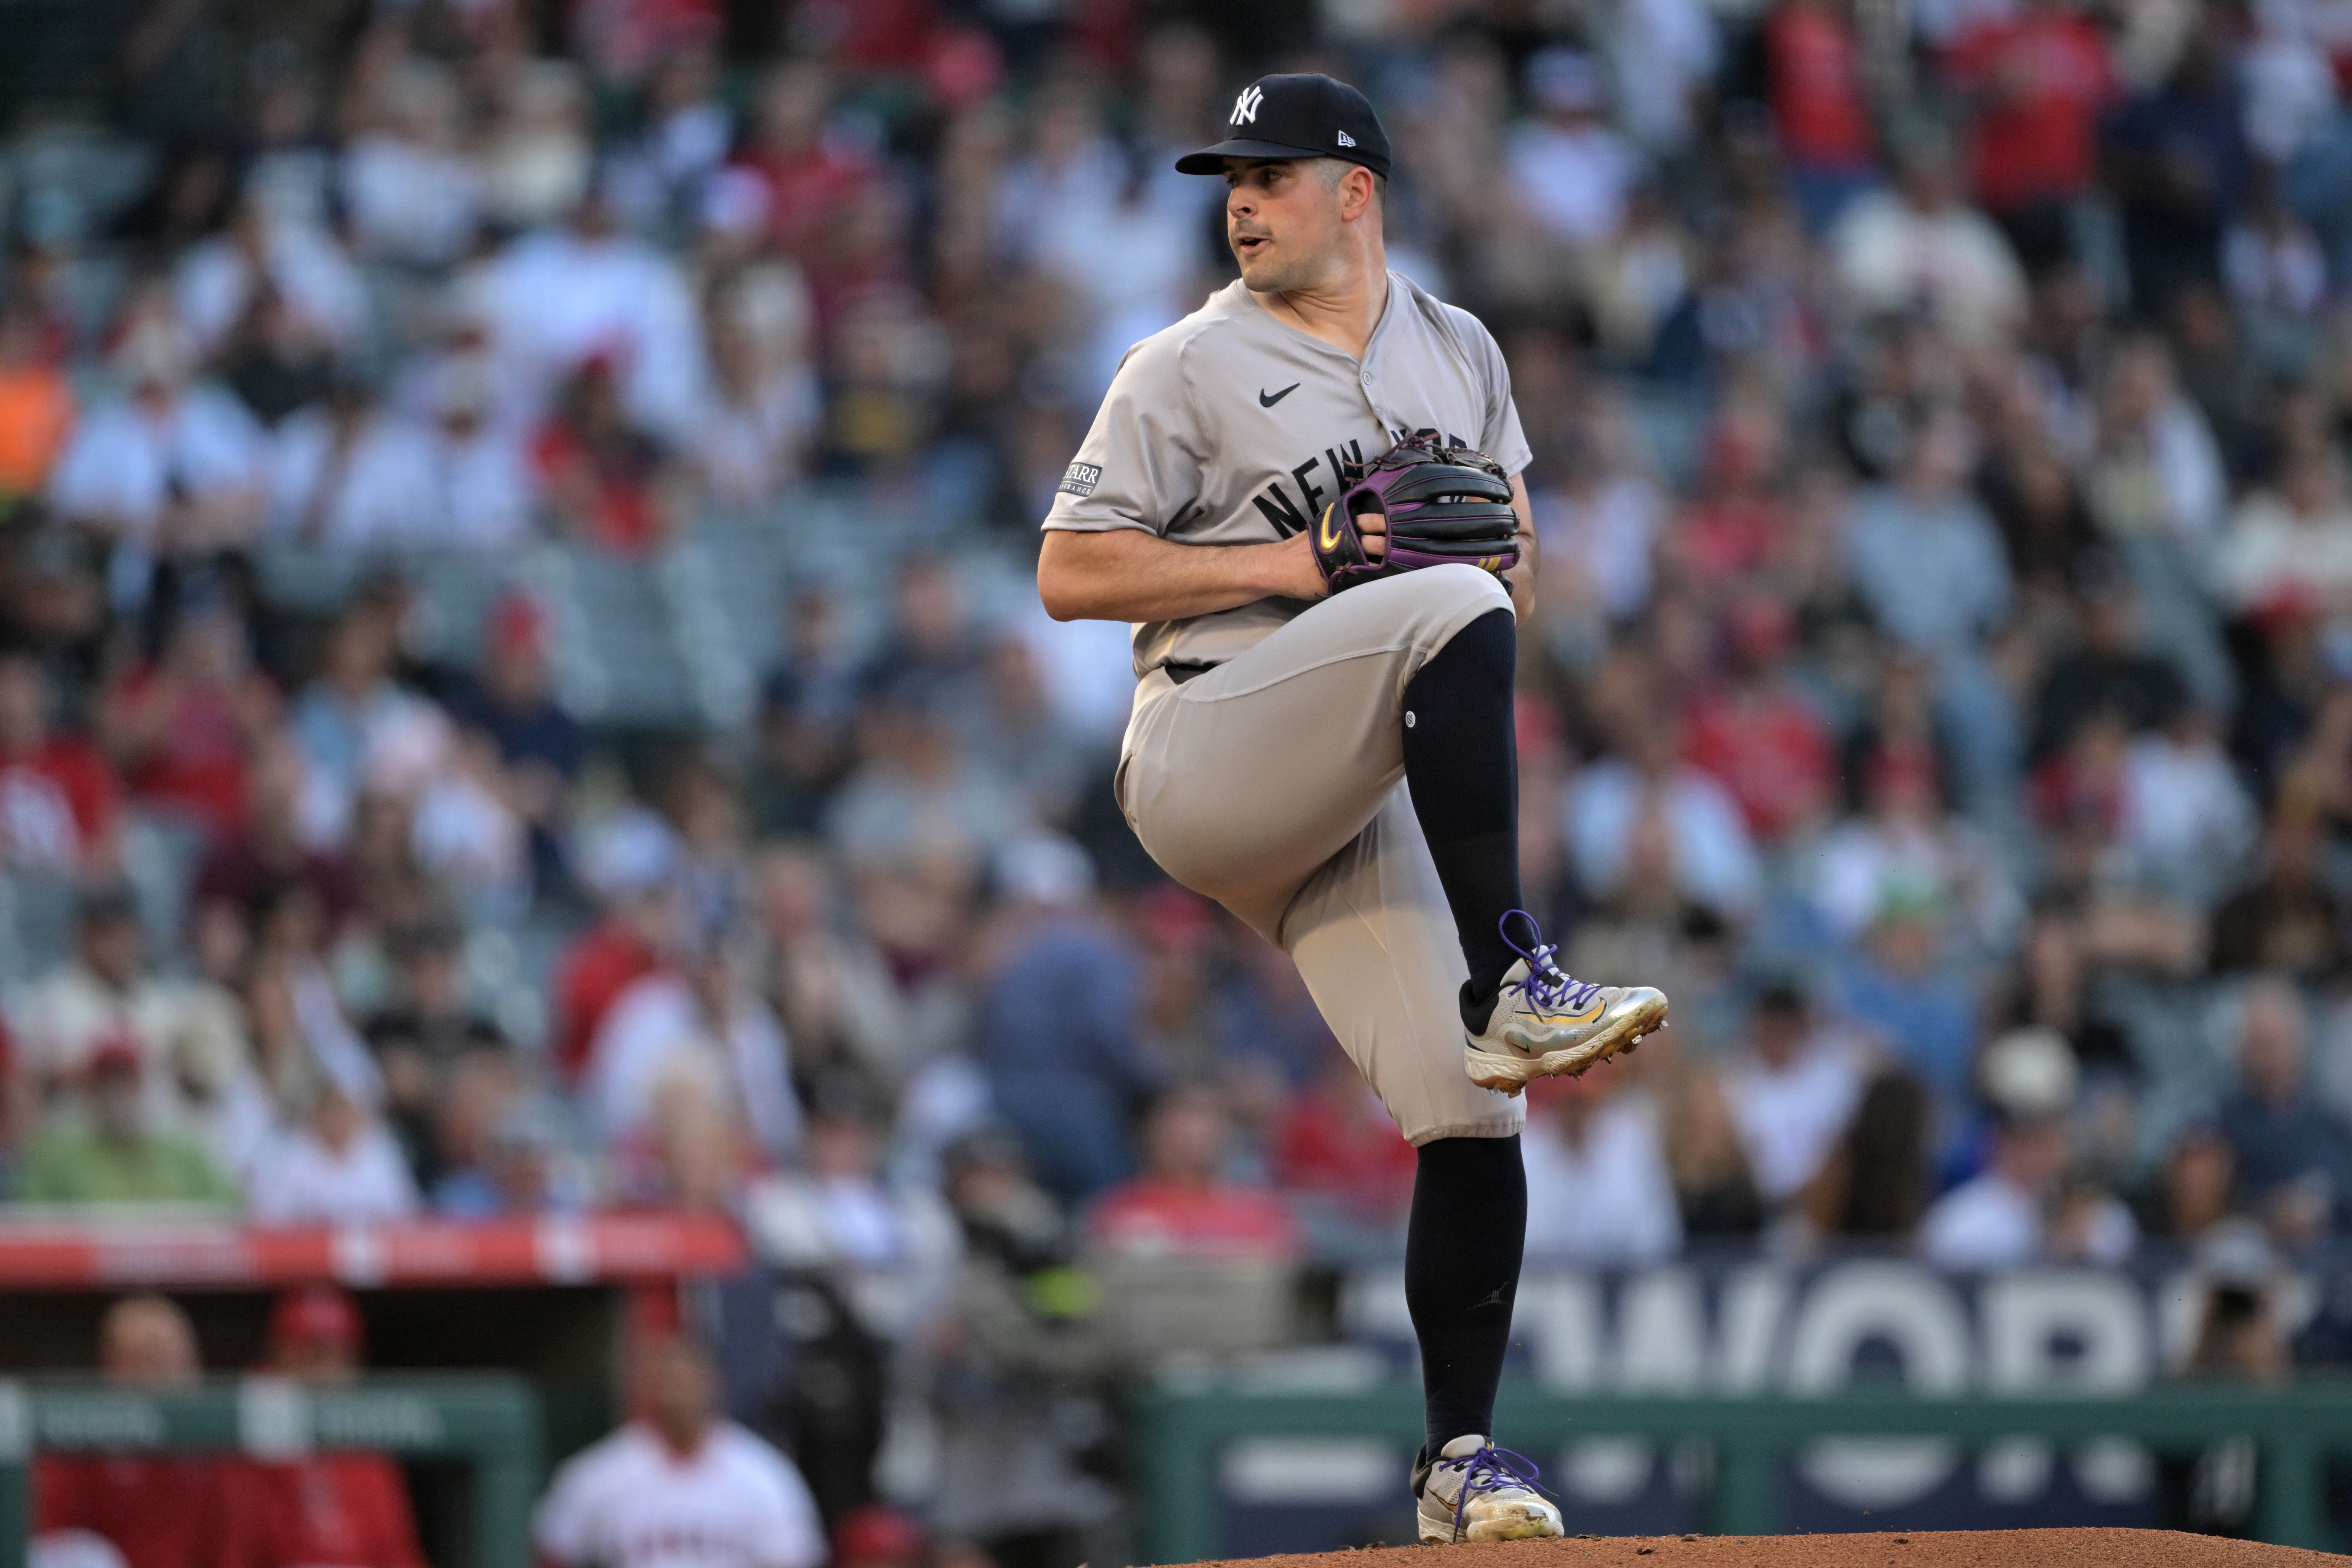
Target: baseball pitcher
[[1306, 498]]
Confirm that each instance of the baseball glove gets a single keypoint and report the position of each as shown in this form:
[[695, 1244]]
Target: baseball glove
[[1442, 504]]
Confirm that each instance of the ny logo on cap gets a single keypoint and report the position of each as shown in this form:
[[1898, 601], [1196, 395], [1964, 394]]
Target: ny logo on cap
[[1245, 106]]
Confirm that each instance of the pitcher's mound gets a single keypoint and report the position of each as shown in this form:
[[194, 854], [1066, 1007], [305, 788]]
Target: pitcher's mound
[[1926, 1549]]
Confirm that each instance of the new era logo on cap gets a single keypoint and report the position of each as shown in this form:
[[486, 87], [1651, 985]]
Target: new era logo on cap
[[1302, 115]]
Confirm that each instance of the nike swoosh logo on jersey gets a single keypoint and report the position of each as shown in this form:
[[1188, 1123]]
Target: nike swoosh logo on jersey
[[1266, 402]]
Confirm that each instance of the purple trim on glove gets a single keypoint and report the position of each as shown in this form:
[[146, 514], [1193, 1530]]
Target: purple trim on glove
[[1445, 506]]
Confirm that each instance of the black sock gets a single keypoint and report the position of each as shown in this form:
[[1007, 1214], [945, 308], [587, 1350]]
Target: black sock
[[1462, 761], [1461, 1275]]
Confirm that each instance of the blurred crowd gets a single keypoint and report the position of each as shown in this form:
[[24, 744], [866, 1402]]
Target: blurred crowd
[[157, 1510], [676, 1470], [1943, 687]]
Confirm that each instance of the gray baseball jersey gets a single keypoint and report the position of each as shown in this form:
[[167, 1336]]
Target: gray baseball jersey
[[1234, 427]]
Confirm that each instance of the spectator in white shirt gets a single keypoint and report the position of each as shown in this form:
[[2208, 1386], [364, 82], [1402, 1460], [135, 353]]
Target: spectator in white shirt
[[1792, 1093], [1908, 844], [1995, 1220], [301, 1039], [537, 160], [463, 830], [688, 131], [1918, 246], [754, 435], [302, 262], [2020, 1209], [700, 1022], [540, 156], [919, 793], [1662, 53], [2289, 547], [1604, 521], [412, 195], [356, 474], [353, 701], [887, 1248], [288, 162], [1714, 860], [1116, 235], [486, 497], [349, 473], [175, 465], [2188, 825], [341, 1166], [1119, 237], [563, 296], [1071, 170], [679, 1483], [2273, 263], [1136, 266], [463, 358], [1571, 168], [1598, 1191], [182, 1032], [2156, 470]]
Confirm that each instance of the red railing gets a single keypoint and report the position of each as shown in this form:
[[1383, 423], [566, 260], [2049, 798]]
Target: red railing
[[77, 1254]]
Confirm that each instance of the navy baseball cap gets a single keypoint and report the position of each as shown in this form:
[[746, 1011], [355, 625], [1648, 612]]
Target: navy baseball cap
[[1303, 116]]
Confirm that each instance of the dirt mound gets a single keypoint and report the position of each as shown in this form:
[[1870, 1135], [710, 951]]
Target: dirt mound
[[1920, 1549]]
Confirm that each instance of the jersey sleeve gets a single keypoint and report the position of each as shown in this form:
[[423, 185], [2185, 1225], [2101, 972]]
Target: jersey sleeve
[[791, 1535], [566, 1529], [1501, 437], [1140, 463]]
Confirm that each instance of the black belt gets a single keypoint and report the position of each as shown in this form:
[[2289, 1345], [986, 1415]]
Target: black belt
[[1181, 673]]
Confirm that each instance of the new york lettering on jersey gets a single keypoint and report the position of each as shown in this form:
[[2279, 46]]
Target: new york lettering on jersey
[[1231, 427], [1340, 466]]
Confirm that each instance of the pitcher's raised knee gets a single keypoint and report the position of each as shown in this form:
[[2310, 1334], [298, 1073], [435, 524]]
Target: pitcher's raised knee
[[1431, 606]]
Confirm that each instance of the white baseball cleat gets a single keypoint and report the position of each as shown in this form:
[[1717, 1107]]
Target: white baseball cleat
[[1544, 1023], [1474, 1492]]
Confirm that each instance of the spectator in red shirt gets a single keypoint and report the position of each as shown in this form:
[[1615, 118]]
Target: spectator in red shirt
[[159, 1510], [183, 727], [633, 868], [265, 850], [2076, 796], [888, 36], [2037, 82], [607, 479], [1734, 522], [809, 175], [329, 1510], [1183, 1204], [1337, 1144], [1820, 105], [60, 805], [1759, 735]]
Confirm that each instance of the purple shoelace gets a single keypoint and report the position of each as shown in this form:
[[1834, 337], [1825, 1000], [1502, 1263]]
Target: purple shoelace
[[1494, 1469], [1546, 984]]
